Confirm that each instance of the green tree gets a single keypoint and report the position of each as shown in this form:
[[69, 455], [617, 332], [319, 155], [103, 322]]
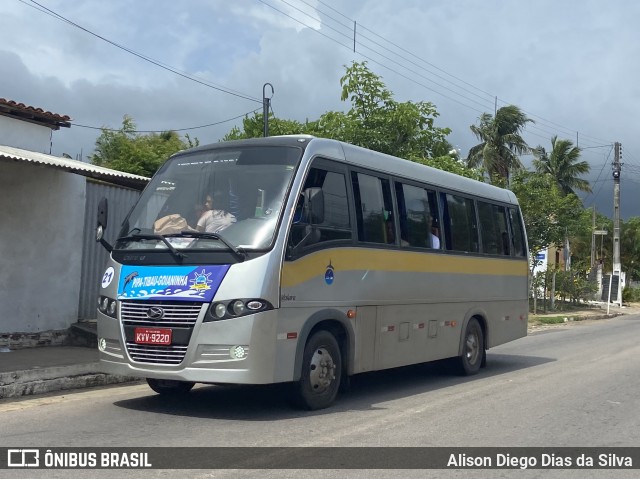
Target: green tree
[[581, 241], [630, 247], [253, 127], [375, 120], [451, 164], [549, 215], [563, 164], [378, 122], [125, 150], [501, 143]]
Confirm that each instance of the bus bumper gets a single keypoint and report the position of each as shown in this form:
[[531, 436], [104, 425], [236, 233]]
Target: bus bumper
[[248, 353]]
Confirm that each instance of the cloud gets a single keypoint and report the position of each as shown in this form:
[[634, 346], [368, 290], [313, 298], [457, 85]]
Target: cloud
[[570, 65]]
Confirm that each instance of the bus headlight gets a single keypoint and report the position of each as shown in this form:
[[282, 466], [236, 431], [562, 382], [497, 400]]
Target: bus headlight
[[220, 311], [236, 308], [108, 306]]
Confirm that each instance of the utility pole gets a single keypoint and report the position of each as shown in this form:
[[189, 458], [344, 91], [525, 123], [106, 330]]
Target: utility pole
[[265, 108], [617, 267], [593, 241]]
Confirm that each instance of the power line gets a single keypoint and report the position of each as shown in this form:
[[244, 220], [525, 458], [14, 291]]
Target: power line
[[484, 105], [594, 196], [378, 44], [157, 63], [381, 64], [171, 129], [533, 126], [50, 12], [556, 126], [404, 50], [296, 20]]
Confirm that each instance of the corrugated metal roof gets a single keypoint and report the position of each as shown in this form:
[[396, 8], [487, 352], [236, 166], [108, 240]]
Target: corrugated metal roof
[[8, 153]]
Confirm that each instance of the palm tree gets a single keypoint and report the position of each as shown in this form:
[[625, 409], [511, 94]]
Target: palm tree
[[563, 164], [501, 143]]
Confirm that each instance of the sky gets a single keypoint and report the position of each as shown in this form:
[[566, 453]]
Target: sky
[[572, 66]]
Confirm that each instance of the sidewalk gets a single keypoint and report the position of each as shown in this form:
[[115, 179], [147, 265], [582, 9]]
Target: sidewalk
[[32, 371]]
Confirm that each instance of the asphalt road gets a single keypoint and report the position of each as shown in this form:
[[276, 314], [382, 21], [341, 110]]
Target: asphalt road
[[567, 386]]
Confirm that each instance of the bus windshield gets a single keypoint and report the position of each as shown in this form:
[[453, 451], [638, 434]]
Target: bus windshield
[[217, 198]]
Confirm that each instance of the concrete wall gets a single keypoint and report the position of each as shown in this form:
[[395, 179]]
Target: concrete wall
[[41, 223], [25, 135]]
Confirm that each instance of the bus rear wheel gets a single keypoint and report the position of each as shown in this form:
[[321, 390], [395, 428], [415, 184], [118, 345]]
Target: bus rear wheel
[[169, 387], [321, 372], [473, 351]]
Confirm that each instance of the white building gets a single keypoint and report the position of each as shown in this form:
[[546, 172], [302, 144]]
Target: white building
[[45, 227]]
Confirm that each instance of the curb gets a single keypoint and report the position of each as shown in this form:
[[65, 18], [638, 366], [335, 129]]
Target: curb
[[60, 378], [569, 319]]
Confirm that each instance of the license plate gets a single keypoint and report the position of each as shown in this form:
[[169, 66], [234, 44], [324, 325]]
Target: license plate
[[159, 336]]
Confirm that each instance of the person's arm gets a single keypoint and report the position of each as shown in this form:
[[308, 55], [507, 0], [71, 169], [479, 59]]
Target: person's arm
[[435, 241], [204, 220]]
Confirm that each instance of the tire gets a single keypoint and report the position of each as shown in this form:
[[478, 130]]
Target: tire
[[473, 353], [168, 387], [321, 372]]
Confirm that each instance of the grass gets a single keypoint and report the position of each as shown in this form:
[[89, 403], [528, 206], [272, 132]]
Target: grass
[[550, 319]]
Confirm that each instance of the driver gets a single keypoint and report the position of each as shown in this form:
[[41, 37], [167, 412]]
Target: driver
[[212, 220]]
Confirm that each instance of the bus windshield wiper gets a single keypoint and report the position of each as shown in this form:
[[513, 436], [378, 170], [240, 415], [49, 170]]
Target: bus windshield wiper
[[179, 255], [238, 252]]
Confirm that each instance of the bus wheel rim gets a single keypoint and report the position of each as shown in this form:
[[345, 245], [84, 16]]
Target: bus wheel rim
[[322, 371], [472, 347]]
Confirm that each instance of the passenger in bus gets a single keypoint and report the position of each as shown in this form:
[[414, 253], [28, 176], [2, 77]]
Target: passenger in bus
[[212, 220], [435, 234], [390, 235]]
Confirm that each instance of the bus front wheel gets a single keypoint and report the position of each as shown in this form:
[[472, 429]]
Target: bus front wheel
[[321, 372], [472, 348], [167, 387]]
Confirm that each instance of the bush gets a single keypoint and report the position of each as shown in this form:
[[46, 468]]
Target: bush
[[630, 295]]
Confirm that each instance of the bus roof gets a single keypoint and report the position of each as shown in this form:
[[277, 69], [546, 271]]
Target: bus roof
[[362, 157]]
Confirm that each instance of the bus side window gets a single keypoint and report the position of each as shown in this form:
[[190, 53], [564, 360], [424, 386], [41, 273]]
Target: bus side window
[[419, 224], [493, 229], [517, 233], [460, 229], [336, 224], [374, 209]]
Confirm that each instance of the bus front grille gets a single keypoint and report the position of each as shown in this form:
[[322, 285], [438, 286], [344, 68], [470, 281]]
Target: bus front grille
[[179, 316], [144, 353], [174, 313]]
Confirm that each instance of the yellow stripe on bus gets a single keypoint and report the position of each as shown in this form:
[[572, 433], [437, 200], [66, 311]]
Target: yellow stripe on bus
[[349, 259]]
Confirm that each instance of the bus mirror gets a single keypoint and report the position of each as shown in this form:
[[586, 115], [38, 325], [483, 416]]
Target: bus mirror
[[314, 204], [103, 210]]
